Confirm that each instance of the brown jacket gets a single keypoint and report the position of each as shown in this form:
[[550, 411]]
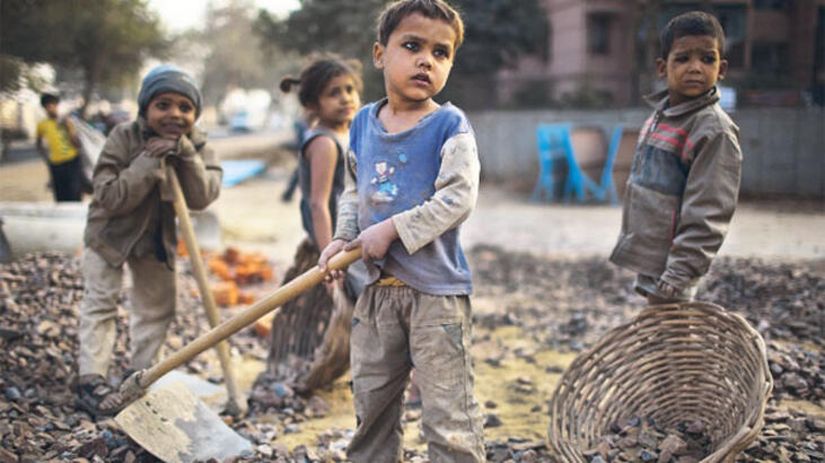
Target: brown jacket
[[127, 198], [682, 191]]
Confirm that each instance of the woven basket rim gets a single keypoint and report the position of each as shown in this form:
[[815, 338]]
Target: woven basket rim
[[730, 445]]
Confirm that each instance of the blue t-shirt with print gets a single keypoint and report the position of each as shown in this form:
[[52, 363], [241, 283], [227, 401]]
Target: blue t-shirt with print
[[397, 172]]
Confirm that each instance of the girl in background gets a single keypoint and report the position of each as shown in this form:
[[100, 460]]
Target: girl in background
[[310, 335]]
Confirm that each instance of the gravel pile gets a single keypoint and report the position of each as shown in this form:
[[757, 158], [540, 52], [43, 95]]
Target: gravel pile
[[39, 306], [562, 304]]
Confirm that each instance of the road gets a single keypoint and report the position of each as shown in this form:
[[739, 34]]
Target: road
[[253, 216]]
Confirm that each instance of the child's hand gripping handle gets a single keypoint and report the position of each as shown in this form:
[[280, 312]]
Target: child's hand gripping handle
[[136, 384]]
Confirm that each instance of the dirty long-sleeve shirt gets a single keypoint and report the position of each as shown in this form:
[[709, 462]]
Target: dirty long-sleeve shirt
[[681, 193], [426, 179], [129, 212]]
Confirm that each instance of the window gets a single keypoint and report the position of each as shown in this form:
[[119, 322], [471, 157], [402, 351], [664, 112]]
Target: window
[[779, 5], [770, 59], [598, 33], [818, 89], [820, 41], [733, 21]]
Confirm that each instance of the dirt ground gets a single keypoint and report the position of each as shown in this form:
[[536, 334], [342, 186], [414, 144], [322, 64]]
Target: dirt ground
[[517, 367], [253, 215]]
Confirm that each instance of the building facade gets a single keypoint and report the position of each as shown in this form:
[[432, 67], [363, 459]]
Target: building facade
[[602, 52]]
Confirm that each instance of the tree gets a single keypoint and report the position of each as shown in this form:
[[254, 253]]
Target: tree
[[497, 32], [345, 27], [106, 40], [341, 26], [235, 56]]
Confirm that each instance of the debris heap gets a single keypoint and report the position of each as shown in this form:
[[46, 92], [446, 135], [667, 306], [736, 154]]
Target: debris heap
[[566, 304]]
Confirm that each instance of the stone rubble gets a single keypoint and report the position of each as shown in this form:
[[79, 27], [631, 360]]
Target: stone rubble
[[562, 304]]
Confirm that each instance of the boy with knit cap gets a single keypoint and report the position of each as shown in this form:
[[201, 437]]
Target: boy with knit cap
[[132, 221]]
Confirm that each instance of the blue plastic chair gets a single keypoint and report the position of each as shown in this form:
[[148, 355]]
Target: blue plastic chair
[[579, 184], [553, 145], [607, 185]]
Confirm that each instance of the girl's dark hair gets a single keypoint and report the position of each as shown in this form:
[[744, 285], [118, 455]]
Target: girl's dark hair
[[692, 23], [317, 74]]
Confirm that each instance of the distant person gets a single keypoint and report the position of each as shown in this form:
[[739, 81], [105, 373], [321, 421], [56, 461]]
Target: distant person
[[684, 181], [61, 151], [412, 180], [132, 221], [329, 92]]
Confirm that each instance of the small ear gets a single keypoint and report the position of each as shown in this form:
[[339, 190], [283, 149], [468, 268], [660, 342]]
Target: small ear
[[661, 67], [723, 68], [378, 55]]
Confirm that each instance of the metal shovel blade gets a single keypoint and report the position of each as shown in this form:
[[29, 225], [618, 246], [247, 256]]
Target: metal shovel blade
[[175, 426]]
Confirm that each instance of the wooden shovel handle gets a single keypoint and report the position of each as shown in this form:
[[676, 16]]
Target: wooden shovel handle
[[279, 297], [235, 405]]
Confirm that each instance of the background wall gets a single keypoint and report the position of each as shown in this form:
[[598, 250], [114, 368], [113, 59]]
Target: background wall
[[784, 149]]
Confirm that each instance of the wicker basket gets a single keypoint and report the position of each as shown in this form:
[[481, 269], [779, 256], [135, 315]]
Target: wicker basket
[[693, 361]]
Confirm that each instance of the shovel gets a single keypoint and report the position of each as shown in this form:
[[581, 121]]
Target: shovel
[[235, 404], [175, 426]]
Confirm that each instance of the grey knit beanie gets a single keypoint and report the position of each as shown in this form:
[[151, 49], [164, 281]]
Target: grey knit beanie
[[168, 78]]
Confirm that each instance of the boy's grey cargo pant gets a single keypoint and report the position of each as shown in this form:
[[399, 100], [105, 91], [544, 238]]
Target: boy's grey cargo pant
[[152, 300], [398, 328]]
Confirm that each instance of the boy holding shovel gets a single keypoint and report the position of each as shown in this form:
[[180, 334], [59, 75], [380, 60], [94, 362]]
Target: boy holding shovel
[[131, 220], [412, 179]]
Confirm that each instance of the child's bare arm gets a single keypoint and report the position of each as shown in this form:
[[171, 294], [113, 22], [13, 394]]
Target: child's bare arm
[[708, 203], [72, 132], [41, 150], [454, 198], [322, 154]]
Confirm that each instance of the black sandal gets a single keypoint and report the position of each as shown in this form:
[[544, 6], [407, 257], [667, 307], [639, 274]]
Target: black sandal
[[98, 398]]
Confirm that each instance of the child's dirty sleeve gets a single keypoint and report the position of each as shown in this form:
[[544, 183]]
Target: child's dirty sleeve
[[456, 192], [120, 185], [346, 227], [199, 172], [708, 203]]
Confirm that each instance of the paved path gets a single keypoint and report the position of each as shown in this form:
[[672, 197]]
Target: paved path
[[253, 216], [758, 230]]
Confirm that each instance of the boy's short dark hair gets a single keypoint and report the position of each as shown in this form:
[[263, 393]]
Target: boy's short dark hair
[[48, 98], [433, 9], [691, 23]]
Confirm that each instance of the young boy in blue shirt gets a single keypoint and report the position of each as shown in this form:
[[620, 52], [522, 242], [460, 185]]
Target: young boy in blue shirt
[[413, 174]]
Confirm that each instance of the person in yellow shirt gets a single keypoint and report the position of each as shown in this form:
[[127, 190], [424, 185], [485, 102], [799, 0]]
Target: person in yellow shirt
[[62, 155]]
